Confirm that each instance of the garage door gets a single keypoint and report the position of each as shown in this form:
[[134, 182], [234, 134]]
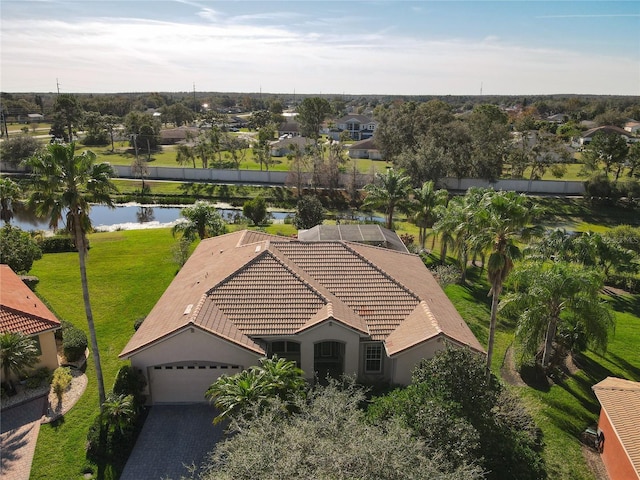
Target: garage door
[[185, 382]]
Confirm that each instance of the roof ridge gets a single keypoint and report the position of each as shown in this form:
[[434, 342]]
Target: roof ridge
[[431, 316]]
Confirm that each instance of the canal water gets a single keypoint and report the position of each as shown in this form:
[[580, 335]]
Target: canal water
[[129, 217]]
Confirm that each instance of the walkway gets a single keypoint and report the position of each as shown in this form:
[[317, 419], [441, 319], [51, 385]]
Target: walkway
[[19, 428]]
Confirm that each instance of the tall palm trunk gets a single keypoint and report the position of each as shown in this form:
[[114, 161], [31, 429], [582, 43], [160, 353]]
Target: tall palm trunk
[[548, 342], [496, 288], [82, 251]]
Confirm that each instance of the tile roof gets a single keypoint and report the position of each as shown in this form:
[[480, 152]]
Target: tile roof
[[621, 400], [20, 309], [246, 285]]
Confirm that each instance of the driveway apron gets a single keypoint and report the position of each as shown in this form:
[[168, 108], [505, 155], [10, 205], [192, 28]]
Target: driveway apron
[[173, 438], [19, 428]]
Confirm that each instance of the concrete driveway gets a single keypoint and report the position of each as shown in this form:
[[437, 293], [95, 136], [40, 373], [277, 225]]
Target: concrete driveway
[[173, 438]]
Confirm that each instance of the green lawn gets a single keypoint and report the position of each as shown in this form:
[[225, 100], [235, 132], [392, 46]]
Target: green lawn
[[129, 270]]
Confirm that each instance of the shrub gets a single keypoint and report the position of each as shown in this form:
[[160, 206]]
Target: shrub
[[18, 249], [37, 378], [61, 381], [74, 343], [138, 321], [57, 244], [130, 382]]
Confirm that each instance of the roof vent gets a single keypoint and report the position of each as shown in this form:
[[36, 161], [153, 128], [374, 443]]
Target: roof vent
[[258, 247], [187, 310]]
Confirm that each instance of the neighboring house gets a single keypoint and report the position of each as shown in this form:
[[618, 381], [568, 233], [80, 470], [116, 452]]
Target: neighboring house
[[332, 307], [632, 127], [587, 136], [22, 311], [368, 234], [620, 423], [558, 118], [282, 148], [172, 136], [365, 149], [35, 117], [289, 127], [359, 127]]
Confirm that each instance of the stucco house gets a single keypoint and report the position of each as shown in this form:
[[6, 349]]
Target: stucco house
[[22, 311], [282, 148], [365, 149], [333, 307], [620, 423], [632, 127], [171, 136], [587, 136]]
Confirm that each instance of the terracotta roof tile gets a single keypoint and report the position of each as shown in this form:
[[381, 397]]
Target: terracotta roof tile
[[621, 400], [246, 285], [20, 309]]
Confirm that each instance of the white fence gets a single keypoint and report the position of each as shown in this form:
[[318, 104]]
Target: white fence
[[544, 187]]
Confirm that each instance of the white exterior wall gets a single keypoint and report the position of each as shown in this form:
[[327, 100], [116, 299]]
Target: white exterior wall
[[329, 331], [405, 362], [49, 355]]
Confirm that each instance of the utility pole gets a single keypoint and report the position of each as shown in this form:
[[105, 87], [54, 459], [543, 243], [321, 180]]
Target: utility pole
[[195, 105], [58, 86]]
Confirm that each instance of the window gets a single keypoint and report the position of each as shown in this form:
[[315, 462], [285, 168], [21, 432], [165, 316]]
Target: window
[[373, 358], [287, 350]]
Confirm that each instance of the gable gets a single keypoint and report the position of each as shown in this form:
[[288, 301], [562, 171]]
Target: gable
[[265, 298]]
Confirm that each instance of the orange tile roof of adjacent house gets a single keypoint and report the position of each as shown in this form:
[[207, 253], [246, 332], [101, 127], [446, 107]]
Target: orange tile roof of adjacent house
[[247, 285], [20, 309], [621, 400]]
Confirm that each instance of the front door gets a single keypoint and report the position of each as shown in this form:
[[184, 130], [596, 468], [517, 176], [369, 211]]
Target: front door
[[328, 360]]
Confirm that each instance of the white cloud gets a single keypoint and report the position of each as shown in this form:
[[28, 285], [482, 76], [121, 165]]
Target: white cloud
[[116, 55]]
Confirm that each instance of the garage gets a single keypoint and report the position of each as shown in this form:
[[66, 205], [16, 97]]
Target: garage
[[185, 382]]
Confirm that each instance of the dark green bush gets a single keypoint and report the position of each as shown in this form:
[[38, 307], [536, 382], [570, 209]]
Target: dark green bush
[[138, 321], [130, 382], [74, 343], [57, 244]]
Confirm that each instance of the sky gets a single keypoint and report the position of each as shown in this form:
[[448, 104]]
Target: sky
[[321, 47]]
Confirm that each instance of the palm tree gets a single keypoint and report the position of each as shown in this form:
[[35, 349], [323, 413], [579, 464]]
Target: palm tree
[[118, 412], [502, 219], [255, 388], [17, 354], [393, 191], [202, 219], [549, 293], [425, 200], [236, 394], [64, 184], [10, 194]]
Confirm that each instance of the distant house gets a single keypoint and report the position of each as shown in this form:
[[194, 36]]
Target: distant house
[[558, 118], [359, 127], [333, 307], [21, 311], [172, 136], [35, 118], [365, 149], [368, 234], [282, 148], [587, 136], [620, 423], [289, 127]]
